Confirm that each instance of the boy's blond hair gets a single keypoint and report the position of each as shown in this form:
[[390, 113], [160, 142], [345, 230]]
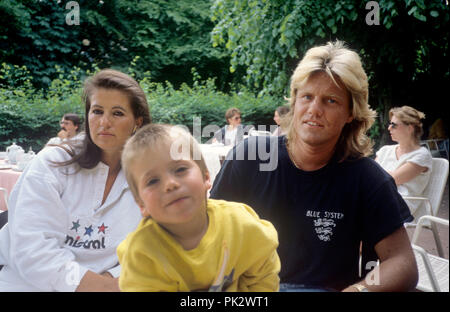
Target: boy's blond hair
[[152, 136]]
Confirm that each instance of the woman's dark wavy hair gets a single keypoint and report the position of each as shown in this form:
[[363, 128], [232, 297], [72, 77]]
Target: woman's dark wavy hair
[[90, 154]]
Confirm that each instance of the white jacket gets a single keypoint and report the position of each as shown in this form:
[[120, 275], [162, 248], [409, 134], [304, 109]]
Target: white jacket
[[57, 227]]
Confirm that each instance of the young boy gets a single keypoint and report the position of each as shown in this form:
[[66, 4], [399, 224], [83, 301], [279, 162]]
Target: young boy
[[186, 242]]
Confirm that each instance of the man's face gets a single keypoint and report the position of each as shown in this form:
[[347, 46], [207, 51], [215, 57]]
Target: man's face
[[68, 126], [321, 111]]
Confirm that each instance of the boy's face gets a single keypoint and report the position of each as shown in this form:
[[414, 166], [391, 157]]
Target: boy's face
[[170, 191]]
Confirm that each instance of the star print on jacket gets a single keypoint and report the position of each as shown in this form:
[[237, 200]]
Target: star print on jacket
[[75, 225], [102, 228], [89, 230], [91, 240]]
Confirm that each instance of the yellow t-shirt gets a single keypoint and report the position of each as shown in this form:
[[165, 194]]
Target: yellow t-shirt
[[237, 253]]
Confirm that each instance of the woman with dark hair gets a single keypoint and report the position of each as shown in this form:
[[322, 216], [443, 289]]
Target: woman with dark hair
[[72, 206]]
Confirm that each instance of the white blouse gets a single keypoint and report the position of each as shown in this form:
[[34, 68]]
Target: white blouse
[[387, 158], [230, 136], [58, 227]]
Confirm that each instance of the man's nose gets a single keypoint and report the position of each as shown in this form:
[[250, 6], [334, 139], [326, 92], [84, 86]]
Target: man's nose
[[316, 107]]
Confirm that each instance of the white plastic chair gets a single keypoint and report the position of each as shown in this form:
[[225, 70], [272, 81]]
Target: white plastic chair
[[433, 270], [5, 196], [432, 196]]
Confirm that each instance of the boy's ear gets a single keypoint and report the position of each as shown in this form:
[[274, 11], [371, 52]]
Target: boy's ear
[[141, 207], [208, 183]]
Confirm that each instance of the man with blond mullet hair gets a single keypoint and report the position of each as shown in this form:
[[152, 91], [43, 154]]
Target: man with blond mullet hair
[[325, 196]]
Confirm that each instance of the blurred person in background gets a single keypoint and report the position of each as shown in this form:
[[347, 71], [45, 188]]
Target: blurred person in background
[[279, 113], [70, 129], [407, 162]]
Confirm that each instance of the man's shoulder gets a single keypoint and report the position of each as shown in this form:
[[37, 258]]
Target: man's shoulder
[[261, 151], [361, 163], [255, 145], [363, 168]]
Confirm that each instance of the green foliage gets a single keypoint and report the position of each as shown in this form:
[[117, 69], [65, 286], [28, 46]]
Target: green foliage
[[407, 52], [267, 36], [30, 117], [169, 37], [203, 100]]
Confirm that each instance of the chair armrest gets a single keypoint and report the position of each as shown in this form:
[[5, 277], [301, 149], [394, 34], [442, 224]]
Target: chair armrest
[[415, 198], [420, 225], [428, 267], [423, 199]]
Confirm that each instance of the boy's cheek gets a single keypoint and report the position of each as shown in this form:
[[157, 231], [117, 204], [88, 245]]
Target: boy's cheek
[[144, 210]]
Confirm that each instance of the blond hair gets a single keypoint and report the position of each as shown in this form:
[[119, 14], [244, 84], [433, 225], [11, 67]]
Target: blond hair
[[409, 116], [150, 138], [344, 66]]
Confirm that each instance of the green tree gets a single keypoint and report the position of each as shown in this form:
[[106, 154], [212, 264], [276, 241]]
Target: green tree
[[169, 38], [405, 53]]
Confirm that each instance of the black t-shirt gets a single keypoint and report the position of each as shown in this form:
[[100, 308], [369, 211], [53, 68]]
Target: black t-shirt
[[321, 216]]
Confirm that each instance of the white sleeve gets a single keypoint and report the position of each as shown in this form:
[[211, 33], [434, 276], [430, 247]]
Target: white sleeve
[[422, 158], [380, 153], [115, 271], [54, 140], [37, 226]]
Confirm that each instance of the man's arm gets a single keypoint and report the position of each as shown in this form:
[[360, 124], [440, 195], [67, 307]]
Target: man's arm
[[398, 269]]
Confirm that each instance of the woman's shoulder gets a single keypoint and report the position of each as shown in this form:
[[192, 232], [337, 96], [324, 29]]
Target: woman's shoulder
[[424, 151], [421, 157], [56, 153], [53, 158], [387, 149]]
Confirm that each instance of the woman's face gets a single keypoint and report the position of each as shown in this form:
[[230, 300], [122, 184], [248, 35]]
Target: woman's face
[[111, 119], [235, 120], [399, 131], [276, 118]]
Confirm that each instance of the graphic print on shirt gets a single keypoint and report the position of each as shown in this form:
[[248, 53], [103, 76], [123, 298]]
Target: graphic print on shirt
[[222, 281], [324, 224], [88, 237]]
